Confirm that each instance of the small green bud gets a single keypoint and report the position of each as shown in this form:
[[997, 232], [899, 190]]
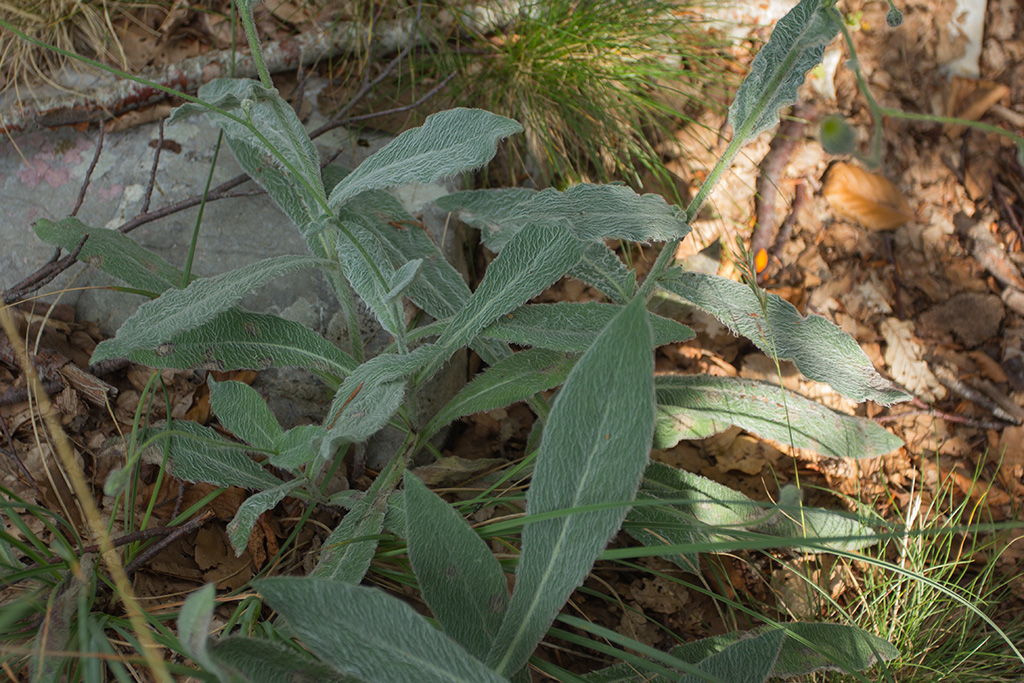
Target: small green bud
[[836, 135], [894, 18]]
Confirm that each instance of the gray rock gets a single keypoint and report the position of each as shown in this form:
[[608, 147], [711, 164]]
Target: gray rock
[[41, 175]]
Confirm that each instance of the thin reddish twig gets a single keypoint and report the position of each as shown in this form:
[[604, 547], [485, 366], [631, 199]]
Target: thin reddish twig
[[88, 173]]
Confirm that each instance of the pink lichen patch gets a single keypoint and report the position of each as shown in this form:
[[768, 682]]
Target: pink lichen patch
[[112, 192], [53, 161], [38, 170]]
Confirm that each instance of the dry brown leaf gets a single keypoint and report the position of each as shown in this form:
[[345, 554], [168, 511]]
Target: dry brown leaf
[[866, 198], [970, 100], [453, 470], [1011, 467], [904, 356]]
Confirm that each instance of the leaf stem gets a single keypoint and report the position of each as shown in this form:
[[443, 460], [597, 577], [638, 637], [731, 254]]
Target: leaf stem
[[245, 12]]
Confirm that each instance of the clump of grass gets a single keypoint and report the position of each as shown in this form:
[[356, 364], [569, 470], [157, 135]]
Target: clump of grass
[[595, 83], [907, 599], [84, 27]]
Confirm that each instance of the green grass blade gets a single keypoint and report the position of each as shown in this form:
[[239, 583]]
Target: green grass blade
[[595, 446]]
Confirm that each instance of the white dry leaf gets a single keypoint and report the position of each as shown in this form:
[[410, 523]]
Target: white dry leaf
[[904, 357], [872, 295]]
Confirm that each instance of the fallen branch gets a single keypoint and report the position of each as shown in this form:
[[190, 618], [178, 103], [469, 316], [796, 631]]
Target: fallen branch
[[116, 95]]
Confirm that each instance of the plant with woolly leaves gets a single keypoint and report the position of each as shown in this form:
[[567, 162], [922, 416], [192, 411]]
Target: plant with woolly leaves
[[591, 474]]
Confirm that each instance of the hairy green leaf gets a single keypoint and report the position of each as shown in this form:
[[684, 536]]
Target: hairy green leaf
[[177, 310], [250, 510], [448, 143], [403, 278], [746, 660], [198, 453], [460, 578], [803, 649], [368, 270], [595, 446], [297, 446], [602, 269], [699, 511], [793, 650], [590, 212], [820, 350], [237, 340], [370, 633], [262, 660], [266, 112], [243, 412], [438, 289], [113, 253], [661, 525], [515, 378], [194, 622], [572, 326], [369, 396], [349, 549], [813, 647], [698, 406], [304, 206], [796, 46], [534, 259]]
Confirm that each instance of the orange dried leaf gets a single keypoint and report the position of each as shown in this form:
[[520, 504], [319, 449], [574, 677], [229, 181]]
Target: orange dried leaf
[[866, 198]]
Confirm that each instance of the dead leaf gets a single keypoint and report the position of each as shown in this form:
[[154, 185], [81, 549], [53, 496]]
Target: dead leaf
[[177, 15], [747, 454], [213, 555], [971, 99], [979, 175], [866, 198], [904, 356], [1011, 466], [453, 470], [659, 594]]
